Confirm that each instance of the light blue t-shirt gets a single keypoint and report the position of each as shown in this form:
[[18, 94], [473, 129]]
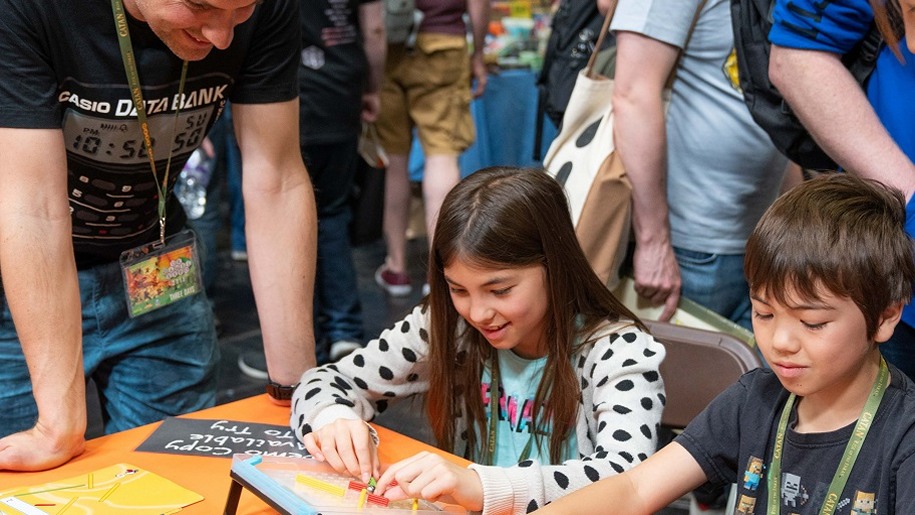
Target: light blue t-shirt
[[837, 27], [722, 169], [518, 378]]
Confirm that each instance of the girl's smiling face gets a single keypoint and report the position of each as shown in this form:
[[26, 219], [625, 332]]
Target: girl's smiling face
[[508, 306]]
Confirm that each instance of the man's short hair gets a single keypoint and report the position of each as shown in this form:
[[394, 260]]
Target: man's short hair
[[838, 233]]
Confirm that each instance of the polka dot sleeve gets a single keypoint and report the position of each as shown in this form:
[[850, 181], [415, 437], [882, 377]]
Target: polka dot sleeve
[[362, 384], [621, 404]]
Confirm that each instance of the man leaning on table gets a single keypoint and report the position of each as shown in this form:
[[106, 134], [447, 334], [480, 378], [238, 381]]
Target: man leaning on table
[[77, 189]]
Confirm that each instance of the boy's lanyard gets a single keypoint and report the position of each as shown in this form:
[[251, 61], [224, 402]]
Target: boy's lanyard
[[133, 80], [848, 458], [489, 455]]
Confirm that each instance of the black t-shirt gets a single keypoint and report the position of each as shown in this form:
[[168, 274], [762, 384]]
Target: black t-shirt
[[732, 441], [332, 71], [63, 69]]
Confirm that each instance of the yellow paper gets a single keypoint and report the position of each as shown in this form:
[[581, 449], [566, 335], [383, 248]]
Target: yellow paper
[[116, 489]]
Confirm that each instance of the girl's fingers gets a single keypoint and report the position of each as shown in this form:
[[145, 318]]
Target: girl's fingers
[[346, 452], [313, 447], [393, 474]]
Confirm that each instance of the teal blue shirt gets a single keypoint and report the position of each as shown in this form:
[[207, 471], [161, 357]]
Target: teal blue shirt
[[519, 379]]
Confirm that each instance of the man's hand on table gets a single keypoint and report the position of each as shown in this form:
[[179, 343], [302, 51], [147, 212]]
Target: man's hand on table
[[39, 448]]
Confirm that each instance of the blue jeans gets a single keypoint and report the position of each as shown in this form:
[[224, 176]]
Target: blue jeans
[[338, 312], [232, 161], [159, 364], [717, 282]]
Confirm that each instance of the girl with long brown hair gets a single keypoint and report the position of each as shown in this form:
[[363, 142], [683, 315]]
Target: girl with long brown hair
[[530, 367]]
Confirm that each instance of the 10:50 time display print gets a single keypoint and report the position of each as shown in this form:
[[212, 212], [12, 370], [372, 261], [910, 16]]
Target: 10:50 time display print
[[121, 142]]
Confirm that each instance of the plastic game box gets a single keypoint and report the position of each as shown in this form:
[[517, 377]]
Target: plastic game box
[[305, 486]]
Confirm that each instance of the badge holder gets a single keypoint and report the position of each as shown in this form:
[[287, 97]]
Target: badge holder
[[158, 274]]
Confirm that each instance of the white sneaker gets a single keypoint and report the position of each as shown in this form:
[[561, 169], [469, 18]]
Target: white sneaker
[[253, 364], [425, 289], [341, 348], [239, 255]]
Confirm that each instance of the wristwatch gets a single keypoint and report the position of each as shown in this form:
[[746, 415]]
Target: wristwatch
[[280, 392]]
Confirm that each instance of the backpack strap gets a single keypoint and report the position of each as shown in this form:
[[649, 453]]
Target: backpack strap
[[865, 55]]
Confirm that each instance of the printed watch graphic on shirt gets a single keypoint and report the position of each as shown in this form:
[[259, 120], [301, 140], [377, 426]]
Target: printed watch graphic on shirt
[[111, 187]]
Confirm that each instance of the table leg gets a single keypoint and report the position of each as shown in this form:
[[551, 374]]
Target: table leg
[[232, 499]]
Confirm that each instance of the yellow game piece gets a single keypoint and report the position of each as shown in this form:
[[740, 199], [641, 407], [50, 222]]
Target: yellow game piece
[[109, 492], [69, 503], [415, 504], [362, 496], [320, 485]]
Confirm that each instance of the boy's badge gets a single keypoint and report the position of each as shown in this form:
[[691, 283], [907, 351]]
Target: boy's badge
[[158, 274]]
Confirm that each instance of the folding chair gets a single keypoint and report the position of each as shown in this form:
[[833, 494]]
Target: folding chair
[[699, 365], [691, 354]]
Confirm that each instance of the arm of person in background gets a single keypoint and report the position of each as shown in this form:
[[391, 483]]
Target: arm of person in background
[[281, 227], [374, 41], [643, 490], [642, 67], [479, 21], [834, 108], [42, 290]]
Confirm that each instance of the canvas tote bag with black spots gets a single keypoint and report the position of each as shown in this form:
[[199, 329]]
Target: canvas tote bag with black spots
[[584, 160]]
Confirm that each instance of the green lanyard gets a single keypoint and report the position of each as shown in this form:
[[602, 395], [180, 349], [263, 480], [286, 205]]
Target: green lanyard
[[133, 80], [848, 458], [489, 454]]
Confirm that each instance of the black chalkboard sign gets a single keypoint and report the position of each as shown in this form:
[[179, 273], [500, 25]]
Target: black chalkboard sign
[[222, 438]]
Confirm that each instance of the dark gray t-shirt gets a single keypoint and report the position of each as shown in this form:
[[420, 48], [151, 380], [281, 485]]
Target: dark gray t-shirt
[[332, 71], [732, 441]]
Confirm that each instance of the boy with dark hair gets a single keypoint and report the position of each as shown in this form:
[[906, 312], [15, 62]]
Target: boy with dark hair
[[830, 428]]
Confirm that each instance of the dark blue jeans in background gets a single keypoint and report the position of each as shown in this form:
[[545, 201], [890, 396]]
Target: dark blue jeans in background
[[338, 313]]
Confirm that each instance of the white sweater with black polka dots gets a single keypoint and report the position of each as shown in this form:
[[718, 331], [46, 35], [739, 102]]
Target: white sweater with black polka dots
[[622, 397]]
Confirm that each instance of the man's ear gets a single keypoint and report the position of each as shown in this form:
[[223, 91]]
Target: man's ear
[[886, 324]]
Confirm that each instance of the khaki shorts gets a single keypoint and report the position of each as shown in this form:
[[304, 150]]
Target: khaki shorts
[[427, 88]]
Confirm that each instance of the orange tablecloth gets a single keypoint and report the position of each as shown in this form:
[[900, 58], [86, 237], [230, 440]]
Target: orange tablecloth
[[207, 476]]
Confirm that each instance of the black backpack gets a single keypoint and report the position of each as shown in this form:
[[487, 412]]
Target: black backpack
[[575, 28], [752, 20]]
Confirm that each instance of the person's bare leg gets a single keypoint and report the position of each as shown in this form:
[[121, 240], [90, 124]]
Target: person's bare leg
[[396, 212], [440, 175]]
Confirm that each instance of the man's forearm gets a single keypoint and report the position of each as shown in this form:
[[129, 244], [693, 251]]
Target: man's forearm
[[834, 108], [281, 229], [40, 284], [640, 137], [374, 43], [479, 19]]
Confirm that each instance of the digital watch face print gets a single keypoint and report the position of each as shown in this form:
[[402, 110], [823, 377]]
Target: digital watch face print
[[111, 187]]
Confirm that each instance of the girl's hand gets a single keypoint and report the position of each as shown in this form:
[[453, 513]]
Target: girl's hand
[[347, 446], [431, 477]]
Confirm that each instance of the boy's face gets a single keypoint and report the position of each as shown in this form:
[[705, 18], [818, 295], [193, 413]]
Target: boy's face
[[819, 348]]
